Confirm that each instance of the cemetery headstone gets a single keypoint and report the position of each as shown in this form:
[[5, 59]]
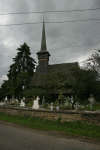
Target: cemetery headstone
[[66, 102], [51, 107], [72, 102], [91, 100], [5, 99], [22, 104], [43, 100], [36, 103], [23, 99], [16, 100], [76, 106], [13, 99], [57, 107]]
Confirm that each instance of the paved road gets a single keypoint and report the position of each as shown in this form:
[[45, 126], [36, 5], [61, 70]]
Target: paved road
[[15, 137]]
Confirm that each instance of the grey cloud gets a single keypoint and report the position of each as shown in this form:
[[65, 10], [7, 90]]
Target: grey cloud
[[44, 5], [63, 40], [96, 4]]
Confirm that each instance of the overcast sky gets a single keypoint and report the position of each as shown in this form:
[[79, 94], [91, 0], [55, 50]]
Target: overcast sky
[[68, 39]]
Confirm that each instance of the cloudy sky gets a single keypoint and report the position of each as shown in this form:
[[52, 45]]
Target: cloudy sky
[[72, 29]]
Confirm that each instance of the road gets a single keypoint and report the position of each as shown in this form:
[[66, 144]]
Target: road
[[16, 137]]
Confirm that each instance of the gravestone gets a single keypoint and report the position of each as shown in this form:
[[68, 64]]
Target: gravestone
[[43, 100], [72, 102], [76, 106], [57, 107], [67, 101], [22, 104], [12, 100], [2, 103], [51, 107], [23, 99], [16, 100], [36, 103], [91, 100], [5, 99]]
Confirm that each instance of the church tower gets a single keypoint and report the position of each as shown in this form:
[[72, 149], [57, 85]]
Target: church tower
[[43, 54]]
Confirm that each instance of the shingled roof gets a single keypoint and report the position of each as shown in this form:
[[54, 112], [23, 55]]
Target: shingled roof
[[38, 78]]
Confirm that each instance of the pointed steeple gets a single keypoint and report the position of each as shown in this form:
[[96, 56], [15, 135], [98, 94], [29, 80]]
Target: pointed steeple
[[43, 40], [43, 54]]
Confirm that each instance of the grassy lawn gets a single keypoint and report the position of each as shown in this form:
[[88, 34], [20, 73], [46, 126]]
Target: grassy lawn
[[69, 128]]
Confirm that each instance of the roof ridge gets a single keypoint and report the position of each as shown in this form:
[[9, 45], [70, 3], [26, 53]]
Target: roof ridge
[[63, 63]]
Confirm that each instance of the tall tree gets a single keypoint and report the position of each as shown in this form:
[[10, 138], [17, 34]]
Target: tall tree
[[93, 62], [22, 62], [84, 83], [22, 69]]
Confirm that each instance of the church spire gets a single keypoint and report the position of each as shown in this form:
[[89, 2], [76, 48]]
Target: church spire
[[43, 54], [43, 40]]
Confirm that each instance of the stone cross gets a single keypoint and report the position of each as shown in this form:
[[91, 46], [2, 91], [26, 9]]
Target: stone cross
[[57, 107], [91, 100], [36, 103], [51, 107], [22, 104]]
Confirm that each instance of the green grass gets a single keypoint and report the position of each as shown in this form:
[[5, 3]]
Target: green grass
[[94, 108], [69, 128]]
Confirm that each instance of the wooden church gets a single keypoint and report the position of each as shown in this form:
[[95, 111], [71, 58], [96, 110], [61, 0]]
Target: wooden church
[[44, 68]]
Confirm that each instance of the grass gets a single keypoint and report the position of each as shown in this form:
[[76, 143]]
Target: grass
[[94, 108], [69, 128]]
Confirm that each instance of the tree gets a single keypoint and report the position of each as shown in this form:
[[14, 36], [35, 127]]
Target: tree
[[3, 91], [84, 83], [22, 69], [22, 62], [93, 62], [56, 82]]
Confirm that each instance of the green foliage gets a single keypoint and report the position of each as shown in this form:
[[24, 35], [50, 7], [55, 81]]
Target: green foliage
[[93, 62], [45, 106], [22, 62], [88, 108], [20, 72], [61, 97], [3, 91], [50, 97], [33, 92], [84, 83], [65, 107], [56, 103], [55, 82]]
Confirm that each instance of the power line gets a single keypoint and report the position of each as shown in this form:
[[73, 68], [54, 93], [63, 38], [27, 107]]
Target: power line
[[75, 46], [63, 42], [73, 21], [50, 22], [21, 24], [61, 48], [58, 11]]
